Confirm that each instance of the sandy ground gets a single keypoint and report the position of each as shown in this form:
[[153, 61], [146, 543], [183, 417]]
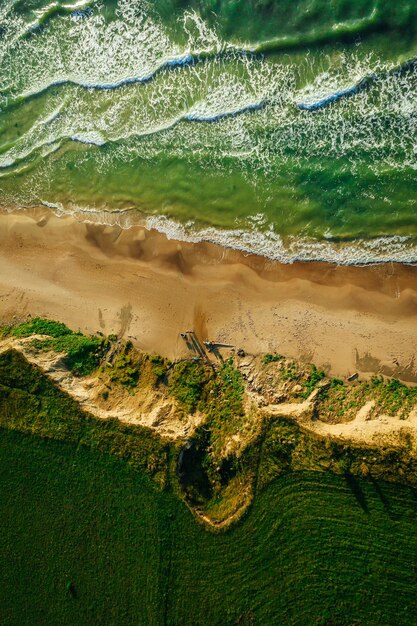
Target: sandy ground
[[139, 284]]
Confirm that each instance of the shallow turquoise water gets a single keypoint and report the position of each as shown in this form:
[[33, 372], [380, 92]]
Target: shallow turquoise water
[[283, 128]]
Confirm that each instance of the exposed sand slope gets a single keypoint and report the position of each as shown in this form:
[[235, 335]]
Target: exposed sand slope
[[364, 430], [156, 410], [143, 286], [148, 407]]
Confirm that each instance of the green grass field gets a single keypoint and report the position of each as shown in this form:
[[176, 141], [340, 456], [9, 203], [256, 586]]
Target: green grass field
[[311, 550]]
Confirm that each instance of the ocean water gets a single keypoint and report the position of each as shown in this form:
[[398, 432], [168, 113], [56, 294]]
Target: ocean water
[[286, 128]]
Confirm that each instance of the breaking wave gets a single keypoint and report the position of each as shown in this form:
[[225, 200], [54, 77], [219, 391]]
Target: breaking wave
[[377, 250]]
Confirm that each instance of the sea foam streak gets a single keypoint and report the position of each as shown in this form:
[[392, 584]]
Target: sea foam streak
[[250, 241], [200, 113], [272, 246]]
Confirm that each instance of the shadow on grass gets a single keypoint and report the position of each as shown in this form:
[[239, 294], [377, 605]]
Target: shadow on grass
[[356, 489]]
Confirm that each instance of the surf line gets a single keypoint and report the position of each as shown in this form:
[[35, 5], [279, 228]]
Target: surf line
[[184, 60], [365, 83]]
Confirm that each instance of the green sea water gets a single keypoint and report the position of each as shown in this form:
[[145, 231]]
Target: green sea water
[[285, 128]]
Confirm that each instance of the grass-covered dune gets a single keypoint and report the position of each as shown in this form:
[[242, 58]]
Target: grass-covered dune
[[96, 531], [216, 432], [88, 540]]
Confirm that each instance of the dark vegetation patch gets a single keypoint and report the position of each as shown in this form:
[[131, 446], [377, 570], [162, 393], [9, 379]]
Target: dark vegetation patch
[[271, 358], [337, 400], [125, 368], [391, 398], [206, 473], [225, 405], [83, 354], [133, 369], [232, 454], [308, 380], [279, 439], [193, 463], [313, 378]]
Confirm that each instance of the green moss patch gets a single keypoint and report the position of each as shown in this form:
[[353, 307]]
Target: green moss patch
[[37, 326]]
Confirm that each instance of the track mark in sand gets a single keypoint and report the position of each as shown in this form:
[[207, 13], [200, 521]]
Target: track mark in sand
[[101, 319], [251, 324], [125, 319], [308, 356], [7, 294]]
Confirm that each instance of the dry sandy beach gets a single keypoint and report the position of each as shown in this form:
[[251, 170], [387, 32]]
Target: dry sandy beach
[[140, 284]]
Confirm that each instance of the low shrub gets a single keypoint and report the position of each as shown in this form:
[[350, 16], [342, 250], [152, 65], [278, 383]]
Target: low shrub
[[187, 384], [271, 358], [313, 379]]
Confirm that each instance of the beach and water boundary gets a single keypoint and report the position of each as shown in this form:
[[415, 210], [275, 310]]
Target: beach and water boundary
[[141, 285]]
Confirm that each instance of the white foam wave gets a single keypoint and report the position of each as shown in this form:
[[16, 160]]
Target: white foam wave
[[135, 46], [51, 9], [397, 249], [271, 245], [91, 139], [95, 53], [181, 60], [44, 134], [377, 131]]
